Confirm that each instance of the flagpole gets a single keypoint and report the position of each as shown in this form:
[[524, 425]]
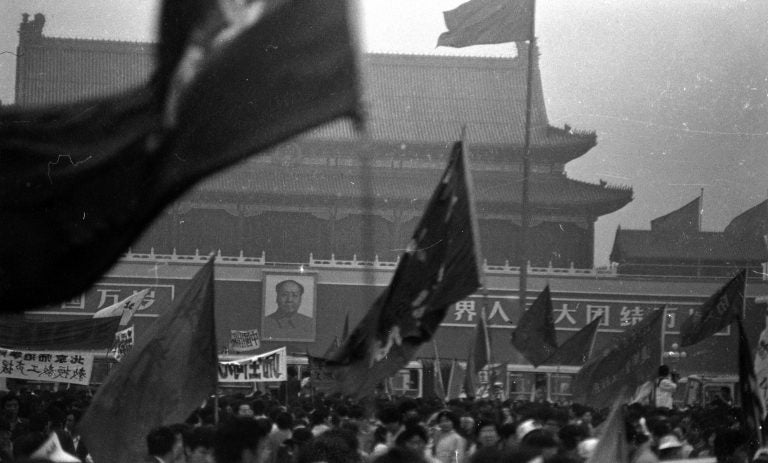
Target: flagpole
[[524, 206]]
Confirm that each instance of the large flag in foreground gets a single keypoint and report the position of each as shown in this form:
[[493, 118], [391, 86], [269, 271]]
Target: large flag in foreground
[[716, 313], [85, 333], [577, 349], [535, 336], [632, 359], [439, 268], [613, 445], [80, 182], [751, 404], [161, 381], [479, 22]]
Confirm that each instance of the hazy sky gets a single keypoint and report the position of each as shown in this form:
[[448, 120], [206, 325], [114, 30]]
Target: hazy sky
[[677, 91]]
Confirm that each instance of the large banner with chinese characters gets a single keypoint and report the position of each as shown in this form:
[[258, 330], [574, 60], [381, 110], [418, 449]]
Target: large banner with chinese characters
[[60, 367], [270, 366]]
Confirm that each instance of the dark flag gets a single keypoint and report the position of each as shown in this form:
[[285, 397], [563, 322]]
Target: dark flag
[[751, 405], [86, 333], [438, 379], [577, 349], [535, 336], [80, 182], [687, 219], [332, 348], [345, 330], [439, 268], [479, 354], [716, 313], [480, 22], [631, 360], [163, 379]]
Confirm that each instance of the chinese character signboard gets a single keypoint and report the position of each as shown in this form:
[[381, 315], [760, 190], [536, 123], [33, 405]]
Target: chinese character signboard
[[244, 341], [123, 342], [270, 366], [61, 367]]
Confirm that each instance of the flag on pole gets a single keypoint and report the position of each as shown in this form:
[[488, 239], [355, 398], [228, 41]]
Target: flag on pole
[[80, 182], [577, 349], [456, 380], [440, 267], [439, 384], [479, 354], [686, 219], [165, 377], [752, 409], [631, 360], [535, 336], [125, 308], [481, 22], [716, 313]]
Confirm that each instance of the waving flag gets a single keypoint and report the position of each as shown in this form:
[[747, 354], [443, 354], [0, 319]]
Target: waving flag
[[163, 379], [439, 268], [80, 182], [480, 22], [535, 336], [577, 349], [716, 313]]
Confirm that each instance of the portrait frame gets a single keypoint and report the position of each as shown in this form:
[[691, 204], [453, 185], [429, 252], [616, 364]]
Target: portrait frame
[[308, 307]]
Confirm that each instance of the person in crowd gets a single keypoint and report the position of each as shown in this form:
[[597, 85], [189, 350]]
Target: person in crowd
[[664, 388], [198, 444], [281, 431], [449, 446], [9, 405], [415, 438], [570, 436], [240, 440], [6, 444], [163, 445], [332, 446]]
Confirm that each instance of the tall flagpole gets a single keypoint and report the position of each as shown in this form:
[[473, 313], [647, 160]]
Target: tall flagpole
[[524, 213]]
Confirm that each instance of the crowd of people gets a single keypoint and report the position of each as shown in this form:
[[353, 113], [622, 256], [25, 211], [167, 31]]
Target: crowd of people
[[292, 426]]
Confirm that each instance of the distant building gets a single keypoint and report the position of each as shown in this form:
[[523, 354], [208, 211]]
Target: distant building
[[675, 245]]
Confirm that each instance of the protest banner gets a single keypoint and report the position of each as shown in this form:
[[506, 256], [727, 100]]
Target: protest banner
[[123, 342], [270, 366], [56, 366], [244, 341]]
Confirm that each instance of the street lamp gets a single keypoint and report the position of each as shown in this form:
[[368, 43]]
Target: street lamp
[[675, 354]]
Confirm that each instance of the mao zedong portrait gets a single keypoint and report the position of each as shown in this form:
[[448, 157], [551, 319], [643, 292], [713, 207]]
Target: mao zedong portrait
[[286, 322]]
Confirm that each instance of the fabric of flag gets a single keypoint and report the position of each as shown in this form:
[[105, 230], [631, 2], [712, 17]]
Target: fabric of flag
[[440, 267], [321, 378], [345, 330], [439, 384], [85, 333], [631, 360], [166, 376], [124, 309], [478, 356], [752, 410], [456, 380], [535, 336], [613, 445], [716, 313], [80, 182], [683, 220], [577, 349], [482, 22], [332, 347]]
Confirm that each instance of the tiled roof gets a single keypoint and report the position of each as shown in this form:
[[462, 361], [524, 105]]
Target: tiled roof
[[493, 190], [409, 98]]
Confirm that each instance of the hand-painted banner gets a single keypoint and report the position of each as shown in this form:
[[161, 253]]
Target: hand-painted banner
[[56, 366], [270, 366], [123, 342], [243, 341]]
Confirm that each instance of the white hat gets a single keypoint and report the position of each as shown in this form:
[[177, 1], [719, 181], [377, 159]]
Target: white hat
[[669, 441], [587, 447], [525, 427]]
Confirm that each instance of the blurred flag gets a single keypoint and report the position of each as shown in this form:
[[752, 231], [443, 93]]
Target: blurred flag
[[716, 313], [440, 267], [165, 377], [332, 347], [439, 384], [479, 354], [613, 445], [80, 182], [577, 349], [456, 380], [479, 22], [535, 336], [631, 360], [345, 330], [751, 405], [125, 308]]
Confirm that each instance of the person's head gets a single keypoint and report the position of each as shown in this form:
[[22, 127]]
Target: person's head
[[400, 455], [239, 440], [163, 442], [663, 371], [413, 437], [390, 418], [244, 409], [487, 433], [333, 446], [289, 293], [541, 442], [198, 444], [447, 420]]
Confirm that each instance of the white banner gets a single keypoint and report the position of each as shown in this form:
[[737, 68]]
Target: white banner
[[244, 341], [61, 367], [123, 342], [259, 368]]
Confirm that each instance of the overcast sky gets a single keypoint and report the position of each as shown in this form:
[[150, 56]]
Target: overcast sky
[[677, 91]]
